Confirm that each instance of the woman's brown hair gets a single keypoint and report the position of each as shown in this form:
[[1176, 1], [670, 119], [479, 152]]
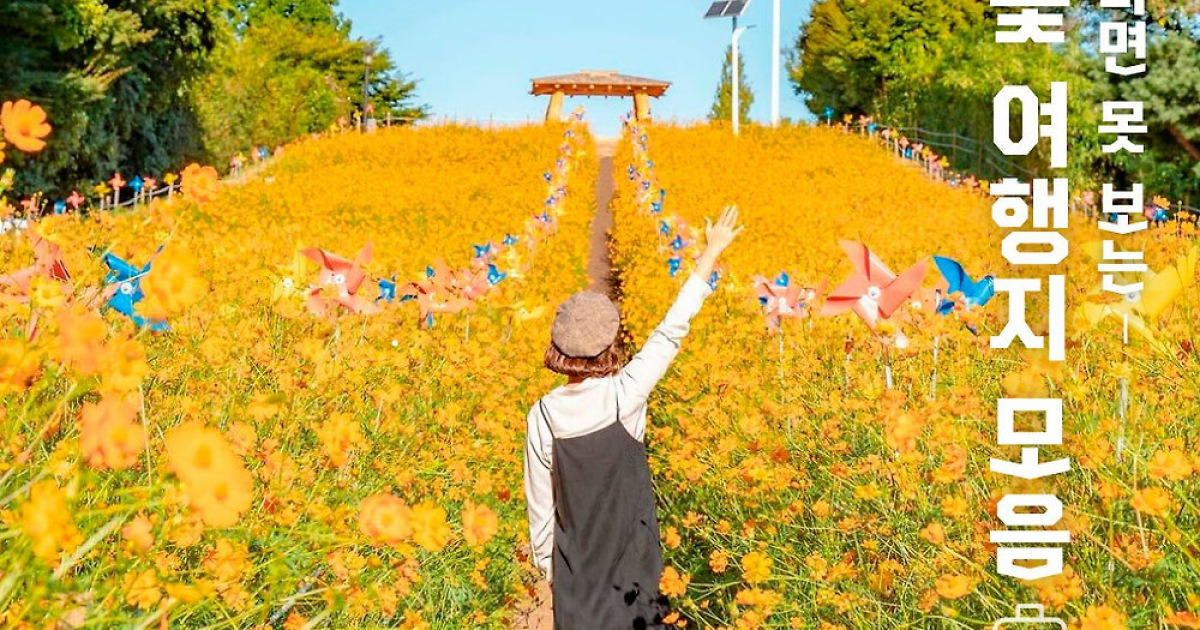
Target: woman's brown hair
[[604, 364]]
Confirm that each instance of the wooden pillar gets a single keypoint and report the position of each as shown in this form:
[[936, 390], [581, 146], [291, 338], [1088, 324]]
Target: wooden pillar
[[554, 110], [641, 106]]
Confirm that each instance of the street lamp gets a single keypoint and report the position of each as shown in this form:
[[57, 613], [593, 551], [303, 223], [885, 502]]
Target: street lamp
[[732, 9], [368, 118]]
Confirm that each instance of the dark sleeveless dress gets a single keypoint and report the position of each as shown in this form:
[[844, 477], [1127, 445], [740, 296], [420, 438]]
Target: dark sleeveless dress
[[607, 558]]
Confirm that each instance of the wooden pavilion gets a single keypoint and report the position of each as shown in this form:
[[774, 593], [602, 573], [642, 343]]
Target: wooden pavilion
[[598, 83]]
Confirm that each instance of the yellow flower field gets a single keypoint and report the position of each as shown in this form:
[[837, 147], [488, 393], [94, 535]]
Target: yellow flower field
[[258, 465], [796, 490]]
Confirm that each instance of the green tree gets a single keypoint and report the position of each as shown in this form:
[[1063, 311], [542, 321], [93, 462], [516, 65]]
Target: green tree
[[114, 78], [722, 107], [284, 78]]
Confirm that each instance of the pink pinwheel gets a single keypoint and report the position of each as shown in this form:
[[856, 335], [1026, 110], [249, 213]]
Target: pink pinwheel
[[75, 199], [873, 292], [471, 285], [341, 277], [781, 298], [117, 181], [48, 263]]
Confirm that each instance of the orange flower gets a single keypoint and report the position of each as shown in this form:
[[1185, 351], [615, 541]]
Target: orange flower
[[1170, 464], [109, 436], [430, 529], [46, 519], [1151, 501], [672, 583], [139, 532], [479, 523], [141, 589], [228, 560], [214, 478], [196, 453], [338, 435], [123, 365], [24, 125], [385, 519], [175, 285], [81, 335], [199, 183], [718, 561], [1182, 619], [954, 586], [18, 365], [934, 533], [223, 499], [756, 567], [1102, 618]]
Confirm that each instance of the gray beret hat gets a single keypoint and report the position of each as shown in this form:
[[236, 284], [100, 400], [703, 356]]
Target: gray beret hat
[[585, 325]]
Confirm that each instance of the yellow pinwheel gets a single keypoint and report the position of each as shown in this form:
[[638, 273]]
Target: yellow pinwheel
[[1159, 290], [290, 281]]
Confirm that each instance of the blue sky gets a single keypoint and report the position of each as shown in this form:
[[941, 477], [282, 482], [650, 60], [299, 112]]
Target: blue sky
[[474, 58]]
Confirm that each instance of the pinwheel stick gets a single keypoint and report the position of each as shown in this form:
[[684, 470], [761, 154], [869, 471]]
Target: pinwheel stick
[[887, 366], [1122, 405], [781, 351], [937, 339]]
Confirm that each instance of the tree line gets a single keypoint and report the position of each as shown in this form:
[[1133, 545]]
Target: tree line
[[934, 64], [146, 86]]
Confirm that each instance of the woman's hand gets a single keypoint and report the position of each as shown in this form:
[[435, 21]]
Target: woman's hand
[[717, 237]]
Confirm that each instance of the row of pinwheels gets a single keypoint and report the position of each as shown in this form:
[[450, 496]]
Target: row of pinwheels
[[874, 292], [122, 290], [441, 290]]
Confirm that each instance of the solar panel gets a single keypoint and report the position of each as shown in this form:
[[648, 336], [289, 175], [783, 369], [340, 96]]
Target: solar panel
[[718, 9], [735, 8]]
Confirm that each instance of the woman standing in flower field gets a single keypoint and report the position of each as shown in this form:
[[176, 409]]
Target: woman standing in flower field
[[592, 521]]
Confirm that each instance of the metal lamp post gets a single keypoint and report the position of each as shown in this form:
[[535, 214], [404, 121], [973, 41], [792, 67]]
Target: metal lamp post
[[732, 9], [737, 85]]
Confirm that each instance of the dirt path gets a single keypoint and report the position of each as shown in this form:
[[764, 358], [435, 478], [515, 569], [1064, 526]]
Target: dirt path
[[599, 267], [540, 615]]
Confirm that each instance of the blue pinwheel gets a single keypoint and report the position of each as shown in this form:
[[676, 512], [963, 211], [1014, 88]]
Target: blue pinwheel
[[128, 288], [632, 172], [494, 275], [387, 289], [510, 240], [484, 250], [713, 279], [664, 228], [137, 184], [657, 206], [673, 265], [60, 207], [678, 243], [547, 176], [975, 293]]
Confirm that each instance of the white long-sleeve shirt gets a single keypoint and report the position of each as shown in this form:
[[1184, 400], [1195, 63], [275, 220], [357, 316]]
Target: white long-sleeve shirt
[[577, 409]]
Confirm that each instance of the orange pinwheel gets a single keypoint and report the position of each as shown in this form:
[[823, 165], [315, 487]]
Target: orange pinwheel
[[433, 296], [873, 292]]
